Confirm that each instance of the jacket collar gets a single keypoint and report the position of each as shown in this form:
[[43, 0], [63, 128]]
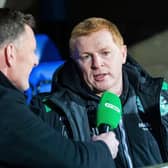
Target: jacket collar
[[4, 81], [69, 77]]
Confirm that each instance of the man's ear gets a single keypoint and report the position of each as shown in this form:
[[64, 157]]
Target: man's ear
[[10, 55], [124, 53]]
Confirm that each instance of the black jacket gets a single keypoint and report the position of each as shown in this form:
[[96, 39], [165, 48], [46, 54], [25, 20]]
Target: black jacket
[[143, 132], [26, 141]]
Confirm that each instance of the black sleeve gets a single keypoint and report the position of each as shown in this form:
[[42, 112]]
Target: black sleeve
[[26, 141]]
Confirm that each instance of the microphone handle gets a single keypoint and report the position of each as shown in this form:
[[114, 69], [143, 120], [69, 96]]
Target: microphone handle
[[103, 128]]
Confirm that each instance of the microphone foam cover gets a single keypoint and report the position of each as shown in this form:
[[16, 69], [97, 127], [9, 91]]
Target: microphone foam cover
[[109, 110]]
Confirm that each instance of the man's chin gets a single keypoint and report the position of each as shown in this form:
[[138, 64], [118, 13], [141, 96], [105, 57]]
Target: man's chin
[[25, 87], [99, 91]]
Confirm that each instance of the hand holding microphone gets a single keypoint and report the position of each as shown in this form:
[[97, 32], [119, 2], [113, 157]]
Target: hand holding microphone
[[110, 140], [108, 118]]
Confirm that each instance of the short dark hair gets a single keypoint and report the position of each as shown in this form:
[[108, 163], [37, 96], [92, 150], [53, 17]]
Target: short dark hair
[[12, 24]]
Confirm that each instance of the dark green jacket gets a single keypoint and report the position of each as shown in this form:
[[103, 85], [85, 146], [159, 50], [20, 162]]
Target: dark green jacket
[[143, 134]]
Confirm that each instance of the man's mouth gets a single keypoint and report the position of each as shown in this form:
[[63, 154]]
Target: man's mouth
[[99, 77]]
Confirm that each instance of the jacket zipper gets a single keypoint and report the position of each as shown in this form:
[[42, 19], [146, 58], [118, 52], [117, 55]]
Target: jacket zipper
[[124, 144]]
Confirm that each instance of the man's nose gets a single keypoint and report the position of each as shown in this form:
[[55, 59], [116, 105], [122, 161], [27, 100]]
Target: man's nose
[[96, 61]]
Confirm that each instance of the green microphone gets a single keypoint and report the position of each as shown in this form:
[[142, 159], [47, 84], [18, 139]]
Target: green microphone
[[109, 112]]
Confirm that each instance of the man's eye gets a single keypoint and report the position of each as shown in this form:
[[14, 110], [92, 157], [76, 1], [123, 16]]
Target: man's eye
[[106, 53], [85, 57]]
